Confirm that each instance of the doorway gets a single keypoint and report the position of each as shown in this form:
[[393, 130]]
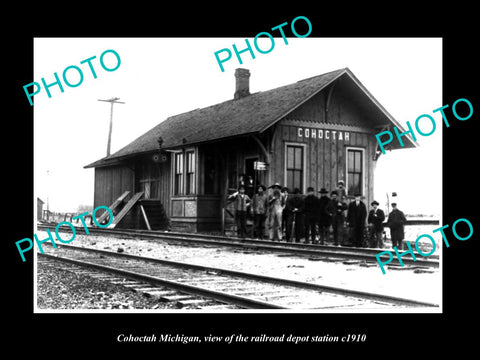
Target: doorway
[[251, 180]]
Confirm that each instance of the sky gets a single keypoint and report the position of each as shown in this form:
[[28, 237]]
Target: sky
[[161, 77]]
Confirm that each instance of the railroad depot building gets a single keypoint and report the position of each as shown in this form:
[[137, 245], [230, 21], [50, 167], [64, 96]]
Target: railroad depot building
[[310, 133]]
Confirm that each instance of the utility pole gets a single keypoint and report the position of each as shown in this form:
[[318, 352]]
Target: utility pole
[[111, 101], [48, 190]]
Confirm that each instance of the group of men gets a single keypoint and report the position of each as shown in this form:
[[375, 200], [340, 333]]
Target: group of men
[[297, 216]]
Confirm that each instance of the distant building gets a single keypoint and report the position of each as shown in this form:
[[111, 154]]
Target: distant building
[[310, 133], [40, 203]]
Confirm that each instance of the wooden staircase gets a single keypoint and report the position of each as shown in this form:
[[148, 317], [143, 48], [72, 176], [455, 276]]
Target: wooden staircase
[[115, 208], [128, 206], [154, 214], [150, 211]]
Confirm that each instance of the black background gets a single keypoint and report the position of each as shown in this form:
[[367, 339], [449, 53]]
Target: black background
[[91, 334]]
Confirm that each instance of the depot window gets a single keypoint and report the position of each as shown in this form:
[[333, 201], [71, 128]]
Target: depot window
[[294, 166], [184, 173], [355, 171], [190, 173], [178, 180]]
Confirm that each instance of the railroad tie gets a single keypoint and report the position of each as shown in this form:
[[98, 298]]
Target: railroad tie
[[124, 282], [98, 275], [160, 294], [135, 286], [176, 297], [193, 302], [219, 307], [146, 289]]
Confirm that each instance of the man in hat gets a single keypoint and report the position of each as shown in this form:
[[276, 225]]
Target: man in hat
[[240, 203], [375, 220], [310, 210], [275, 203], [260, 206], [294, 210], [324, 216], [337, 208], [396, 221], [356, 216], [341, 192]]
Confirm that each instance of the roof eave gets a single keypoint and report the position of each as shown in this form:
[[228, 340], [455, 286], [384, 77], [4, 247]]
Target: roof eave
[[118, 160]]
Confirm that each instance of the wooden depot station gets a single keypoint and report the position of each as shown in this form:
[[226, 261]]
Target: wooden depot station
[[310, 133]]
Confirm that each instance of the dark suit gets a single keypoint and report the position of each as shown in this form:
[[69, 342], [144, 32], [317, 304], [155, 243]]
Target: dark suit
[[375, 219], [294, 202], [311, 217], [396, 221], [324, 218], [337, 208], [357, 214]]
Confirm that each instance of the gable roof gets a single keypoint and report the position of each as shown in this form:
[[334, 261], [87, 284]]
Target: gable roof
[[251, 114]]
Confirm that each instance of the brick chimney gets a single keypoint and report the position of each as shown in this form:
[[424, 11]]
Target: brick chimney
[[242, 85]]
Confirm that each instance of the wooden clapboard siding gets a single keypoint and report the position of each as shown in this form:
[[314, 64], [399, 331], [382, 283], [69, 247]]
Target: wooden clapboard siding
[[370, 153], [110, 183], [327, 161], [326, 158], [344, 111], [340, 161], [315, 163], [333, 165], [321, 165], [165, 186], [278, 156], [312, 109]]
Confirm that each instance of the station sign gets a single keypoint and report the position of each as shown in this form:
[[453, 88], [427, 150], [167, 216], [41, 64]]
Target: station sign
[[320, 134], [260, 165]]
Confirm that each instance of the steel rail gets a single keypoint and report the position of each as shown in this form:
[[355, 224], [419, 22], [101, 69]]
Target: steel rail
[[190, 289], [293, 248], [264, 278]]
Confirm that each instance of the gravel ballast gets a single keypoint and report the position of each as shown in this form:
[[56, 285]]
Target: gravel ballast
[[64, 289]]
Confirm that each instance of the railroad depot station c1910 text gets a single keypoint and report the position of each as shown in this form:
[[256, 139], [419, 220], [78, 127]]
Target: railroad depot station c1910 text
[[313, 132]]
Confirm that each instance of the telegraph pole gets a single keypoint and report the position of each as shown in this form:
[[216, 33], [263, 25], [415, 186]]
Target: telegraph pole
[[111, 101]]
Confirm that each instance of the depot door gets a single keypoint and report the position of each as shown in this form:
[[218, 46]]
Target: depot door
[[250, 176]]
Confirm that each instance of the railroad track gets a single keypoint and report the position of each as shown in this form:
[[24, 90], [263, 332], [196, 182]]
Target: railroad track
[[242, 289], [315, 250], [180, 300]]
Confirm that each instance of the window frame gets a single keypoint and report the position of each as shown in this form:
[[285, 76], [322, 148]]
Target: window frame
[[177, 188], [304, 161], [182, 186], [190, 186], [363, 169]]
